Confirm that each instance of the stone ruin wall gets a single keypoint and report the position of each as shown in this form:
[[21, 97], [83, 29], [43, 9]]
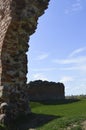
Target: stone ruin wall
[[44, 90], [18, 20]]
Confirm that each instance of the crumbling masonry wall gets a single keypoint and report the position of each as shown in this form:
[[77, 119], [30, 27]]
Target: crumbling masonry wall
[[44, 90], [18, 20]]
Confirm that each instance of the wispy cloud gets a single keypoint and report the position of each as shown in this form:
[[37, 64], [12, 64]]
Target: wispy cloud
[[39, 76], [77, 51], [43, 69], [76, 60], [75, 6], [75, 57], [66, 79], [75, 67], [69, 68], [42, 56]]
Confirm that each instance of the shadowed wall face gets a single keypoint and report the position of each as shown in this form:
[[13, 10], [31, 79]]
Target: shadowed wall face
[[44, 90], [18, 20]]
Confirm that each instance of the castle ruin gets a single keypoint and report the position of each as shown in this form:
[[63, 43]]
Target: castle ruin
[[44, 90], [18, 20]]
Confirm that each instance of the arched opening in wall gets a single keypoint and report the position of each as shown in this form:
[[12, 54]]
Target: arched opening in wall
[[57, 50]]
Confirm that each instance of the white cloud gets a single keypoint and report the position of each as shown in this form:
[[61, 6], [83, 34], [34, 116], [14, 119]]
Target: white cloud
[[79, 68], [77, 60], [66, 79], [39, 76], [42, 56], [77, 51], [44, 69], [74, 7], [69, 68]]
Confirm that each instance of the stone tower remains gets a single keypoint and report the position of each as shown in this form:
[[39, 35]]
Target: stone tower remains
[[18, 20], [44, 90]]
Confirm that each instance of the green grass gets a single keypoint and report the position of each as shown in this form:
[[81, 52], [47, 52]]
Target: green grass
[[67, 113], [53, 115]]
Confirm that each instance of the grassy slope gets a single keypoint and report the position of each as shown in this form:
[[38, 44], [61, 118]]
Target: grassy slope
[[53, 116], [66, 114]]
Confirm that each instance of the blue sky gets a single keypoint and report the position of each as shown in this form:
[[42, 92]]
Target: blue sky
[[58, 47]]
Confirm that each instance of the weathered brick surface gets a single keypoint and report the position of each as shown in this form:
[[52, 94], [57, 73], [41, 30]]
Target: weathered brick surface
[[18, 20], [44, 90]]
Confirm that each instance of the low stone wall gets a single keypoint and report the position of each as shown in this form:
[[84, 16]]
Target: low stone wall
[[44, 90]]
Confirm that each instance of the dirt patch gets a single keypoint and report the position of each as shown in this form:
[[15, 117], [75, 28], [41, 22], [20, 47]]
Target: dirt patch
[[76, 126], [84, 125], [32, 129]]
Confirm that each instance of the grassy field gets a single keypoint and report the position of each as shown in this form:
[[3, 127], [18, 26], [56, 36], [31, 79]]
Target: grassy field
[[58, 115], [54, 115]]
